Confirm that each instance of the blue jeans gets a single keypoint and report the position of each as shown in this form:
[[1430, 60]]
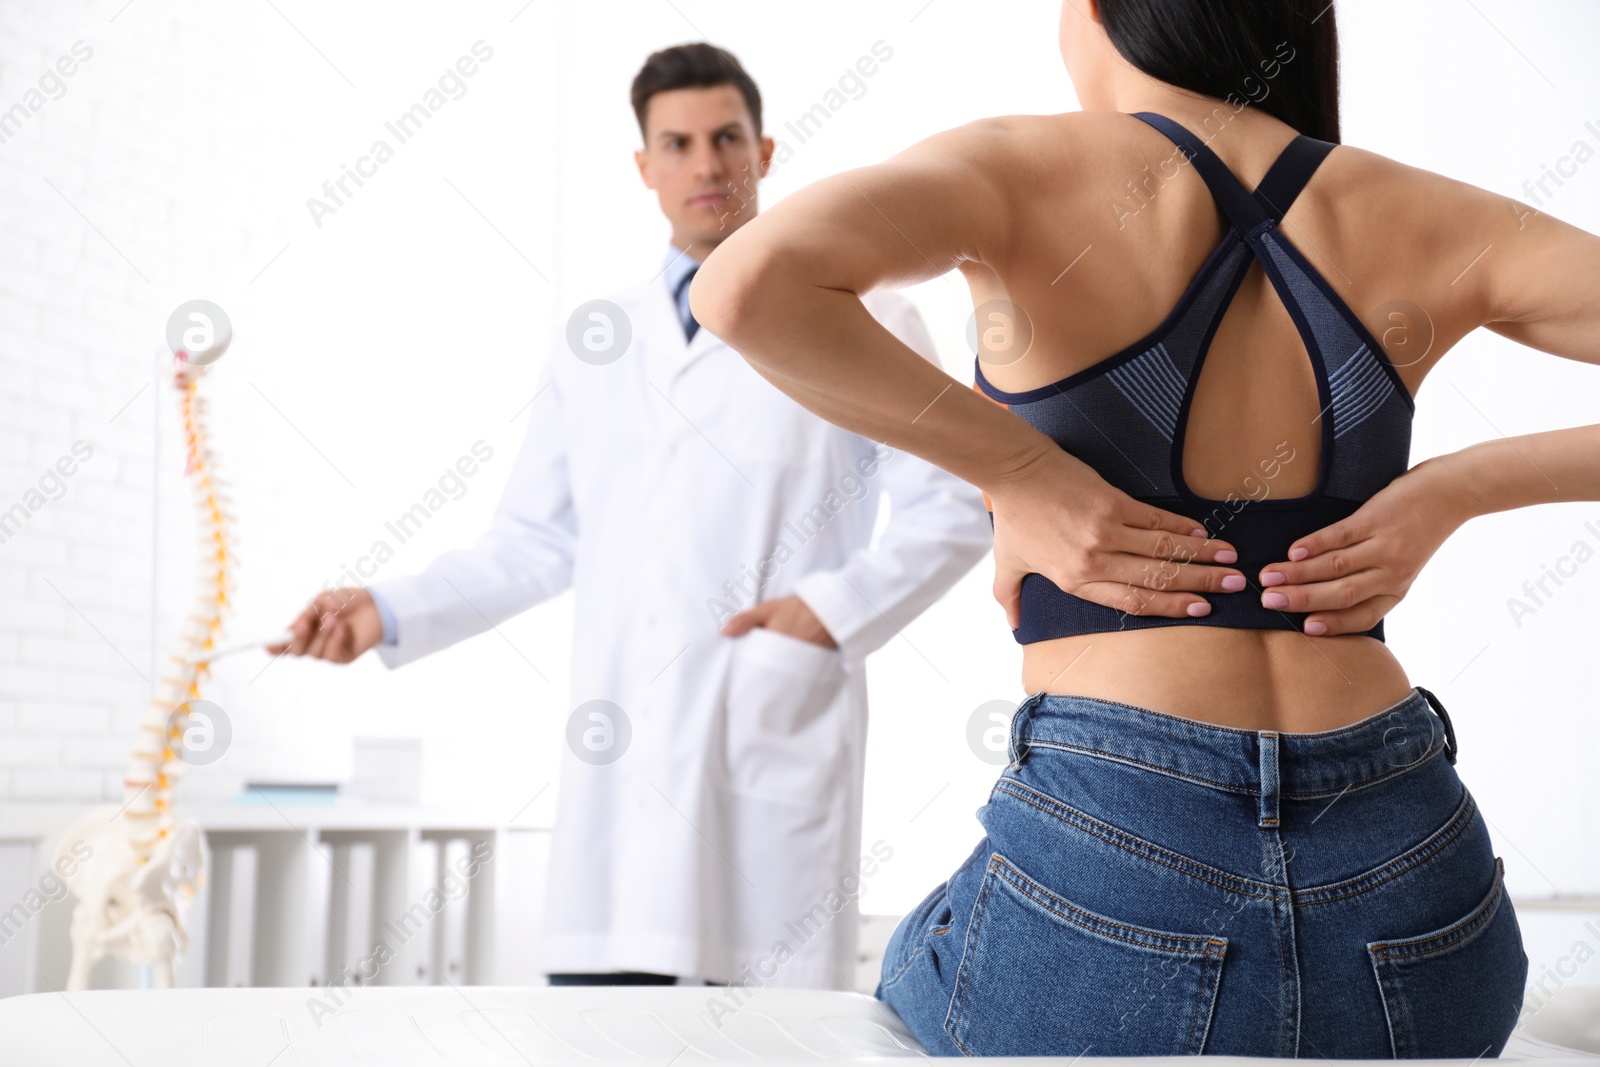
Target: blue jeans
[[1151, 885]]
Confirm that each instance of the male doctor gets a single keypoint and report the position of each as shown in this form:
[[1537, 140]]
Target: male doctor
[[727, 588]]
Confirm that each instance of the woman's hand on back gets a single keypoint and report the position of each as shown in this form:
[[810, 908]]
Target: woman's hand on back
[[1352, 573], [1057, 517]]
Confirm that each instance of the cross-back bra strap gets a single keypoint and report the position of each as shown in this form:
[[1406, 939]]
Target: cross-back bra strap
[[1290, 173], [1245, 210]]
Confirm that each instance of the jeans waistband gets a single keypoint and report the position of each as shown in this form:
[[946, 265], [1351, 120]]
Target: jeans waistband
[[1263, 763]]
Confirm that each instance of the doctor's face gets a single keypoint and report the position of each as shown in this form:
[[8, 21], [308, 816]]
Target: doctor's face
[[704, 160]]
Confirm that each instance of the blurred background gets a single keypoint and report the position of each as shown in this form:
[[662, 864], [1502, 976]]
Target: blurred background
[[376, 344]]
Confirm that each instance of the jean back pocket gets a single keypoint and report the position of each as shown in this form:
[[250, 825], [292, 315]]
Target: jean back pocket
[[1041, 976], [1455, 992]]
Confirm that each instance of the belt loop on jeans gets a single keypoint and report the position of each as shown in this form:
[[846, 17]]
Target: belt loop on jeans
[[1449, 730], [1016, 750], [1267, 808]]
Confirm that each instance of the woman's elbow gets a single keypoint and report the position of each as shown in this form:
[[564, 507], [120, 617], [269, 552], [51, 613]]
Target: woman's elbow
[[723, 297]]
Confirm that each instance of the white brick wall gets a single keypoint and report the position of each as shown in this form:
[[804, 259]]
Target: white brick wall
[[78, 330], [176, 166]]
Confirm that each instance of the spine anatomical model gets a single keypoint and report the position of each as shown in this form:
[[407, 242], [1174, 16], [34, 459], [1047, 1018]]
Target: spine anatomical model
[[145, 862]]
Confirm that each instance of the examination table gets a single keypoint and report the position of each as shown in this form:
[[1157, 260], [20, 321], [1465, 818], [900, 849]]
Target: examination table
[[468, 1026]]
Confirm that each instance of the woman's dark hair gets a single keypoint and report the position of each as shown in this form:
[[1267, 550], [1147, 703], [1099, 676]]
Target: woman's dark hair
[[692, 66], [1279, 55]]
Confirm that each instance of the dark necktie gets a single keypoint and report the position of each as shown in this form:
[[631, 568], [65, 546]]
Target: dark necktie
[[690, 325]]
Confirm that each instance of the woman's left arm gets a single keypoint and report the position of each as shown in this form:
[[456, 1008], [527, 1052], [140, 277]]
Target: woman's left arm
[[784, 292]]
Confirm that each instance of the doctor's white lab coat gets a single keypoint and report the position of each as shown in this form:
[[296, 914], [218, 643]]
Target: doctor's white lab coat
[[708, 821]]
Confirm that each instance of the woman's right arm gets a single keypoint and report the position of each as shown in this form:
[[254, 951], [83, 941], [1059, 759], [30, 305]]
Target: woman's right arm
[[1540, 287]]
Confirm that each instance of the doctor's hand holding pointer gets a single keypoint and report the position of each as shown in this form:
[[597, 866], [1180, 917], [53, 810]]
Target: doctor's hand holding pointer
[[338, 626]]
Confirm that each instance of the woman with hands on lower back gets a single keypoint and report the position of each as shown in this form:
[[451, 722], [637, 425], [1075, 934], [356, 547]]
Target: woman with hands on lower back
[[1231, 823]]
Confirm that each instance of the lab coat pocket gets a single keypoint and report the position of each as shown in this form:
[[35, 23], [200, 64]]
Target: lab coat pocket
[[785, 737]]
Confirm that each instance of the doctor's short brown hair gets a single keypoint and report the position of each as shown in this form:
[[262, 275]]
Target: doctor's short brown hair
[[692, 66]]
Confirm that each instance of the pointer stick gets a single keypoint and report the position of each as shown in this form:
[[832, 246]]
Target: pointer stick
[[244, 646]]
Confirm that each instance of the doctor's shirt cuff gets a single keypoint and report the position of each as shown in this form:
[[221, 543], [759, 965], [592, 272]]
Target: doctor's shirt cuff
[[391, 630], [838, 607]]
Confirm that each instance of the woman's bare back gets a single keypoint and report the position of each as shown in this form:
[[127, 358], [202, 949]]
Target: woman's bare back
[[1108, 233], [1073, 219]]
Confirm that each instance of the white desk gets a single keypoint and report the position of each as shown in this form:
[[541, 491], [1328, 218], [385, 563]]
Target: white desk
[[299, 880], [479, 1025]]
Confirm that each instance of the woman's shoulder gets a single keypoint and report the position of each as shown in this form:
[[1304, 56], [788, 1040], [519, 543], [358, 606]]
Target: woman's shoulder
[[1361, 205], [1359, 191], [1091, 139], [1044, 133], [1365, 169], [1019, 152]]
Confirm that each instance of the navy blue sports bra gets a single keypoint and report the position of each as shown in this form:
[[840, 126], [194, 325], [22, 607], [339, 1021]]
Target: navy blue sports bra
[[1125, 416]]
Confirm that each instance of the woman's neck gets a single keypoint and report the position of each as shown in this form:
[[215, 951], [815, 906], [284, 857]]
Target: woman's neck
[[1132, 91]]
